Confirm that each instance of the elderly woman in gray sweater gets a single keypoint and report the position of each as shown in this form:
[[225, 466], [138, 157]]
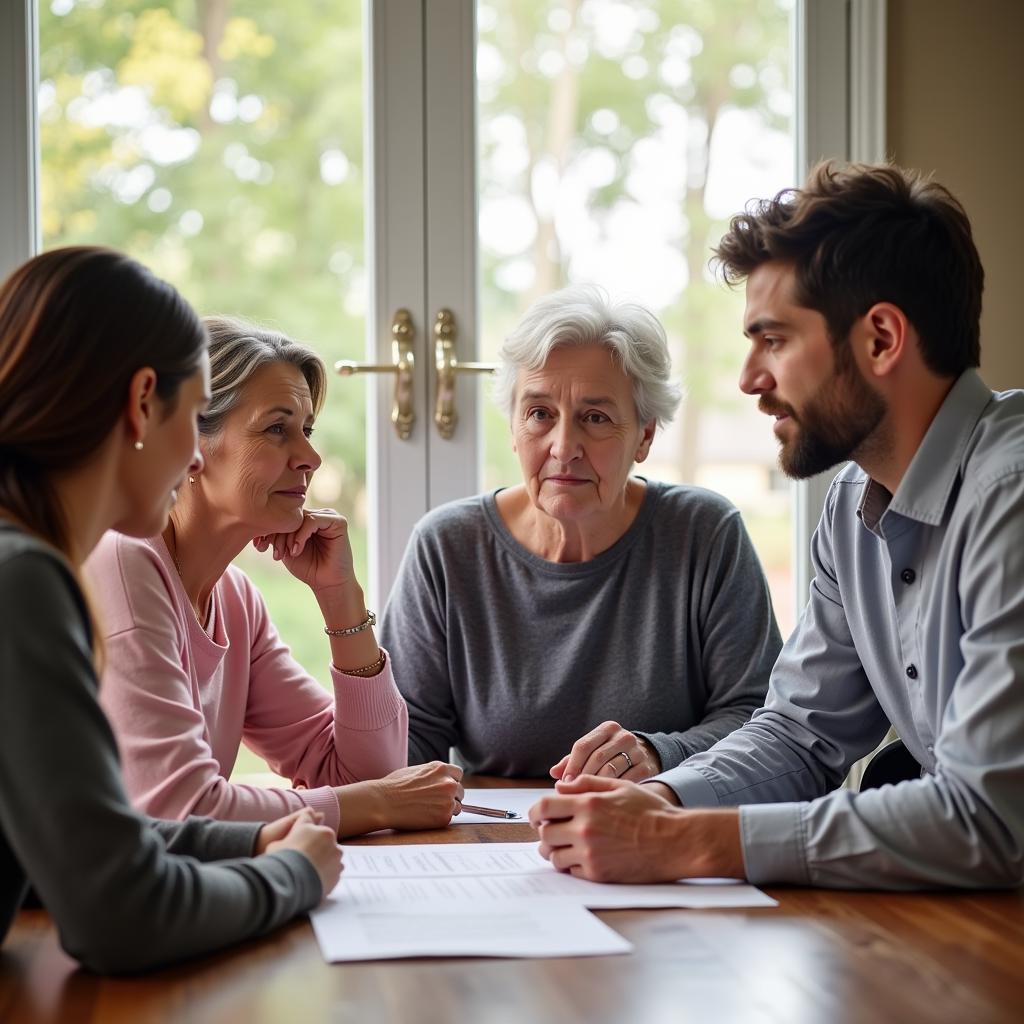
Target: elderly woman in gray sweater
[[585, 620]]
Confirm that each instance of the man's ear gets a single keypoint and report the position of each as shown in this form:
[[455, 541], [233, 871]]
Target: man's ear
[[142, 404], [883, 333], [644, 449]]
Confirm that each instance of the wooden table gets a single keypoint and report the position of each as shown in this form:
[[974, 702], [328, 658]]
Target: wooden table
[[820, 956]]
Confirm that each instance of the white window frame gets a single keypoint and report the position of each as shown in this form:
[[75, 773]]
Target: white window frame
[[840, 51]]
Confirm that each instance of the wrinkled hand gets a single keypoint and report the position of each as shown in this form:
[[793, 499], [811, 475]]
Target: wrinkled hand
[[599, 753], [610, 830], [303, 832], [318, 553], [422, 795]]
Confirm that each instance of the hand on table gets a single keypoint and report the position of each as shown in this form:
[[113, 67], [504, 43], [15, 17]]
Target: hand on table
[[609, 751], [421, 796], [611, 830], [303, 831]]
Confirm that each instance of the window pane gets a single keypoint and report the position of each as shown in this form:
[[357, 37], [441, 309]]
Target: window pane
[[616, 139], [221, 144]]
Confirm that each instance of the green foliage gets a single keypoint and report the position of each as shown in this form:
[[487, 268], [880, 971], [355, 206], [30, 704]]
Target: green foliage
[[191, 135]]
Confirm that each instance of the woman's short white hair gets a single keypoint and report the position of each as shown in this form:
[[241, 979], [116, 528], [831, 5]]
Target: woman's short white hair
[[585, 315]]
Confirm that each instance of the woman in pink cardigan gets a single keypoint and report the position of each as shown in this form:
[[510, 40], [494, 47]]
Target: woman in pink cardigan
[[193, 664]]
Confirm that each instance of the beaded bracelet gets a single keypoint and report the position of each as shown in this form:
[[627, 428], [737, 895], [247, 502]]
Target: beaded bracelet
[[371, 620], [366, 670]]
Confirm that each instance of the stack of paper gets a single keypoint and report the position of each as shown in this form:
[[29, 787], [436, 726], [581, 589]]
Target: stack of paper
[[486, 899]]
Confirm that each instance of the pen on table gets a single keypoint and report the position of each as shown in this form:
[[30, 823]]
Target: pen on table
[[490, 812]]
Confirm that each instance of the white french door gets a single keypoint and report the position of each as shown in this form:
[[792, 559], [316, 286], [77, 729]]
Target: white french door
[[423, 243], [433, 130]]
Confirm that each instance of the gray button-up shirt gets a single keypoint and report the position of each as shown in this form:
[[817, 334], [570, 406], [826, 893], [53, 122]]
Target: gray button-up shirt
[[916, 617]]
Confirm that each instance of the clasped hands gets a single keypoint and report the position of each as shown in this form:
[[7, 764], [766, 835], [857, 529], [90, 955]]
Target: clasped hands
[[304, 832], [600, 825]]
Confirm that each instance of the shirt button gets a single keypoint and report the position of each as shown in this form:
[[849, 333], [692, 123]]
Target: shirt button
[[908, 575], [911, 671]]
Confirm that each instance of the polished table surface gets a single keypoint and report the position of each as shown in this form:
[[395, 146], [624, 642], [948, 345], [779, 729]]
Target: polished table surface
[[819, 956]]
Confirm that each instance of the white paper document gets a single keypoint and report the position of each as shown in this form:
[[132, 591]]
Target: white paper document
[[442, 860], [536, 928], [518, 800], [472, 873], [486, 899]]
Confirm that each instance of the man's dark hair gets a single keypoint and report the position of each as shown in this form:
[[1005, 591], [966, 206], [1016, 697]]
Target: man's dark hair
[[858, 234]]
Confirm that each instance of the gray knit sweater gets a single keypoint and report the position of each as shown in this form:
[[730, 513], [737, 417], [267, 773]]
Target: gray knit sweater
[[126, 892], [511, 658]]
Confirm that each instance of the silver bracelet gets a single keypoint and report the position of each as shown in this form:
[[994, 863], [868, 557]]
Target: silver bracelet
[[371, 620]]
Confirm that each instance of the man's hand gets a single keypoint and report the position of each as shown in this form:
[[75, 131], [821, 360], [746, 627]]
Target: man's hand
[[610, 830]]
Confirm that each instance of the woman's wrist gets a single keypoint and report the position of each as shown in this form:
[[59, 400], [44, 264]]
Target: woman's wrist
[[349, 626], [361, 808], [342, 606]]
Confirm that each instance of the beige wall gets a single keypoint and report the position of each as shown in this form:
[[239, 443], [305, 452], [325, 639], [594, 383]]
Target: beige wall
[[956, 107]]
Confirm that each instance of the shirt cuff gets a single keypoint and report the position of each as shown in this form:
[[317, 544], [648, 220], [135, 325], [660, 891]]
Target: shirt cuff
[[772, 836], [669, 754], [690, 786], [234, 839], [366, 703], [324, 800]]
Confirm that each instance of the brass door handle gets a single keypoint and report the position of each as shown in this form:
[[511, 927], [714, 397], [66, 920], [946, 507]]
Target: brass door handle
[[445, 415], [403, 333]]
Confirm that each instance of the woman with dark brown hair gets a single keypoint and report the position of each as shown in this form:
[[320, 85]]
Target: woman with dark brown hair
[[103, 372]]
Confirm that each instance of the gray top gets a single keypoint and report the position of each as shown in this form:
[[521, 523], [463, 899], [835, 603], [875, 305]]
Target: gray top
[[511, 658], [916, 616], [126, 892]]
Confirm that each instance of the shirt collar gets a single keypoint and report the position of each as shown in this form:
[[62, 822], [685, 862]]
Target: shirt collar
[[924, 491]]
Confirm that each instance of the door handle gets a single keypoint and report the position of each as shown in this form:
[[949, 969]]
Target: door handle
[[445, 414], [402, 365]]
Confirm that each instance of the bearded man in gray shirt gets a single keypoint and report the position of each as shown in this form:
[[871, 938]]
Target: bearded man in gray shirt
[[863, 314]]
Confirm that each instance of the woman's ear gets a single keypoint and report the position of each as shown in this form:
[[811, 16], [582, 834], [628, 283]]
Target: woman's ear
[[644, 448], [142, 404]]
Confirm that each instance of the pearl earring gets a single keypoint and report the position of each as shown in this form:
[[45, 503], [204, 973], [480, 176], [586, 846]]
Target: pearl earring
[[139, 446], [192, 481]]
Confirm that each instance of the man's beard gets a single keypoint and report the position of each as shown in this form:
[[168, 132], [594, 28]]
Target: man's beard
[[833, 425]]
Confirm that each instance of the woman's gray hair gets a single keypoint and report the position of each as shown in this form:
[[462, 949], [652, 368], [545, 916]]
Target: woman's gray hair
[[237, 350], [584, 315]]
